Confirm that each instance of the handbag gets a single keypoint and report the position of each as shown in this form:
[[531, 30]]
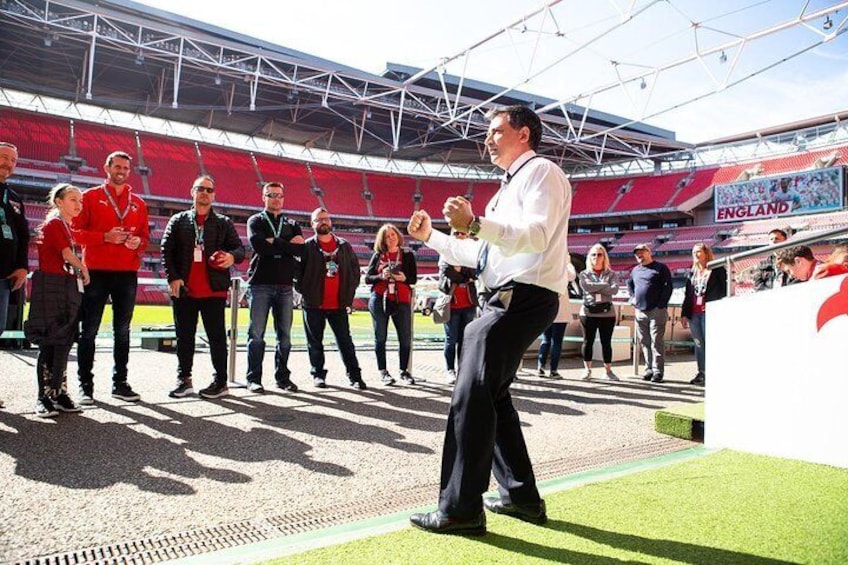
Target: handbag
[[442, 308], [599, 307]]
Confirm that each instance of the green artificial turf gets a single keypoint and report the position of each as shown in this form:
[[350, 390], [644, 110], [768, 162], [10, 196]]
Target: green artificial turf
[[723, 508], [681, 420]]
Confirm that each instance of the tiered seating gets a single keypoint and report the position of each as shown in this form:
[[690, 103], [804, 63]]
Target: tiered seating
[[295, 179], [434, 192], [683, 239], [631, 239], [483, 192], [234, 174], [94, 142], [650, 193], [173, 165], [393, 195], [342, 190], [594, 196], [581, 242], [701, 181], [41, 140]]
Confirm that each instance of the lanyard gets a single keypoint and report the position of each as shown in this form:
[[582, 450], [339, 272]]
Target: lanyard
[[198, 229], [121, 215], [505, 181], [276, 231], [70, 235], [3, 208], [699, 280]]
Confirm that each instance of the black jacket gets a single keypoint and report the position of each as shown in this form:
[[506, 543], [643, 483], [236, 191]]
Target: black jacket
[[716, 290], [13, 252], [766, 273], [273, 263], [219, 234], [448, 276], [313, 273]]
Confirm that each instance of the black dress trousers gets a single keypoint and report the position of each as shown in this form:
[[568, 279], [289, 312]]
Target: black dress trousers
[[483, 431]]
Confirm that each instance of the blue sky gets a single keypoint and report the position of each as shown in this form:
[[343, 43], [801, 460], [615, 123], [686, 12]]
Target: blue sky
[[366, 34]]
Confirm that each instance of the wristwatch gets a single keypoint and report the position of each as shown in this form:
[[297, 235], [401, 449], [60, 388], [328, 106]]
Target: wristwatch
[[474, 226]]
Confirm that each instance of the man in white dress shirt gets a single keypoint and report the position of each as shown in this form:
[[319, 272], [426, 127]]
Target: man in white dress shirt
[[522, 255]]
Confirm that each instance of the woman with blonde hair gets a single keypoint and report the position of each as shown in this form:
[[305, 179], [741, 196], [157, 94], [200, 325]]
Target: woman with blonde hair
[[597, 314], [391, 272], [702, 285], [57, 286]]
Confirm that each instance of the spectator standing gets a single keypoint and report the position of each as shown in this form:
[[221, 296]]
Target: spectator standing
[[198, 248], [14, 237], [702, 285], [597, 314], [114, 232], [522, 256], [328, 280], [57, 287], [277, 243], [650, 290], [391, 273], [767, 274], [459, 283], [552, 337]]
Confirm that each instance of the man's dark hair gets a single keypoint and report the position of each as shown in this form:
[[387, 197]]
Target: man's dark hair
[[118, 154], [787, 256], [780, 231], [519, 117]]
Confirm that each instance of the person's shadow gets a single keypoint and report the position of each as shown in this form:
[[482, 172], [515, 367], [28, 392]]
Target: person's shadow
[[82, 453], [670, 550]]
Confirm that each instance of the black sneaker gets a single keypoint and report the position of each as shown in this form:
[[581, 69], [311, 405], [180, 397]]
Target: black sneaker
[[319, 382], [215, 390], [123, 391], [287, 386], [253, 386], [44, 408], [386, 378], [699, 380], [63, 403], [358, 384], [407, 378], [184, 388], [648, 376], [657, 378]]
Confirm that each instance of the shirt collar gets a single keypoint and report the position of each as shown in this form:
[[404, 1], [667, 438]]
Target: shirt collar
[[519, 161]]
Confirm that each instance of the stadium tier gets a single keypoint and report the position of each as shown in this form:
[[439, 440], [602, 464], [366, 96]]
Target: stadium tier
[[341, 190], [293, 176], [650, 193], [173, 165], [393, 196], [236, 181]]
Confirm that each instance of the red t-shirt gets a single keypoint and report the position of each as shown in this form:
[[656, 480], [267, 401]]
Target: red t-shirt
[[198, 275], [331, 283], [53, 238], [402, 292], [461, 297]]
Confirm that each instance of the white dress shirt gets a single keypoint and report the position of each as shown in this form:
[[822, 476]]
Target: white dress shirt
[[526, 225]]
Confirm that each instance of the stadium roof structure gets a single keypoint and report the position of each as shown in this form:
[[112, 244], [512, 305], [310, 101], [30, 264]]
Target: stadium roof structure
[[121, 55]]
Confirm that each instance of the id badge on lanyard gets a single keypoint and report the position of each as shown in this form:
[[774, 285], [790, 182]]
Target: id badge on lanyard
[[7, 229], [699, 300], [198, 253], [80, 285]]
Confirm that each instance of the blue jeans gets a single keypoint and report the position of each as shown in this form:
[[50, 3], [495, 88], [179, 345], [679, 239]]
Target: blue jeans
[[698, 327], [5, 293], [121, 287], [454, 330], [552, 343], [265, 298], [314, 321], [401, 315]]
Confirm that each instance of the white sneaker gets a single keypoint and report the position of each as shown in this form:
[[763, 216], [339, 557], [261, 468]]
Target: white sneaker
[[587, 375], [450, 376]]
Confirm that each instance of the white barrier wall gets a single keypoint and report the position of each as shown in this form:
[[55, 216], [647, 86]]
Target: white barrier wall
[[776, 383]]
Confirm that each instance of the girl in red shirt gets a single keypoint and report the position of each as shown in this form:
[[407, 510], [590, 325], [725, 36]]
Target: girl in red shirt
[[57, 287]]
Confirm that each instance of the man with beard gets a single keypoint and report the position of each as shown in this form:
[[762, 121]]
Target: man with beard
[[113, 231], [328, 280]]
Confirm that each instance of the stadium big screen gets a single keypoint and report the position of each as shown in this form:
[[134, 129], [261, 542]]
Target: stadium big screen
[[805, 192]]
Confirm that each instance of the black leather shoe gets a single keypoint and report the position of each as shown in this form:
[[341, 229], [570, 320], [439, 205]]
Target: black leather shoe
[[440, 523], [533, 513], [658, 378]]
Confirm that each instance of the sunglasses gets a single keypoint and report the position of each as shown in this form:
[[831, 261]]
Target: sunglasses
[[273, 195], [206, 189]]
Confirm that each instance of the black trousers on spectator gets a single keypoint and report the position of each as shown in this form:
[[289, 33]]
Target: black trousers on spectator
[[483, 431], [592, 325], [211, 310]]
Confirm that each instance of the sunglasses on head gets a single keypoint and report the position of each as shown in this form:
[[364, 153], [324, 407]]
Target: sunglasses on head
[[206, 189]]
